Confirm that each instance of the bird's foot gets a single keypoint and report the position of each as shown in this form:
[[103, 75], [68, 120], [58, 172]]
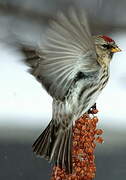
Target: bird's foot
[[93, 109]]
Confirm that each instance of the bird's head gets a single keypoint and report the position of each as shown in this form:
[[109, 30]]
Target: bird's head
[[105, 48]]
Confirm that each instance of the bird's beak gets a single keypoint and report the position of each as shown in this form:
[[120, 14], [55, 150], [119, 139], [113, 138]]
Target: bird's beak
[[115, 49]]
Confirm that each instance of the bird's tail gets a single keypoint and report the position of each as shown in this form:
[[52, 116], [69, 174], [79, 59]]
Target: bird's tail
[[54, 144]]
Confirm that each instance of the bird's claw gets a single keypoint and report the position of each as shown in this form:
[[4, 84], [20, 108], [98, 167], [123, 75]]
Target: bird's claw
[[93, 109]]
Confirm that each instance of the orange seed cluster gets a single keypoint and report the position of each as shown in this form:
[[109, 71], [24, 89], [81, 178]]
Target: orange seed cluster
[[85, 136]]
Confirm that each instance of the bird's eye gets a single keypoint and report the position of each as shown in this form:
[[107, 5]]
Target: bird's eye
[[106, 46]]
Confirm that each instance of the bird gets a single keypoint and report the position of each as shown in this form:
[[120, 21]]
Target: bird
[[73, 66]]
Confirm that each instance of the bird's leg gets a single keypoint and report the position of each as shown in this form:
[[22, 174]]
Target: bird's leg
[[93, 109], [94, 106]]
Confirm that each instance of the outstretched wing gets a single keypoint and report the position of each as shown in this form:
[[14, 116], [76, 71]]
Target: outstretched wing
[[68, 49]]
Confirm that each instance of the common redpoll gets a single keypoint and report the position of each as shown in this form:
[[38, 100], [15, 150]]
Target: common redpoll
[[73, 66]]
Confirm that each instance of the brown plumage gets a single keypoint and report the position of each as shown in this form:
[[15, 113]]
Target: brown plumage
[[73, 66]]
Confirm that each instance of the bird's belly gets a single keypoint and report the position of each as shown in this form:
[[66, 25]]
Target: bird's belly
[[82, 99], [84, 96], [87, 100]]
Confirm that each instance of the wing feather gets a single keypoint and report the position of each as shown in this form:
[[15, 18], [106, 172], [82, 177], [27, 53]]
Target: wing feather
[[68, 49]]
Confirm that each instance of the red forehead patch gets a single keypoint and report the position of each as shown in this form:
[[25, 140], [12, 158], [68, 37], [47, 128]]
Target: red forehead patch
[[108, 39]]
